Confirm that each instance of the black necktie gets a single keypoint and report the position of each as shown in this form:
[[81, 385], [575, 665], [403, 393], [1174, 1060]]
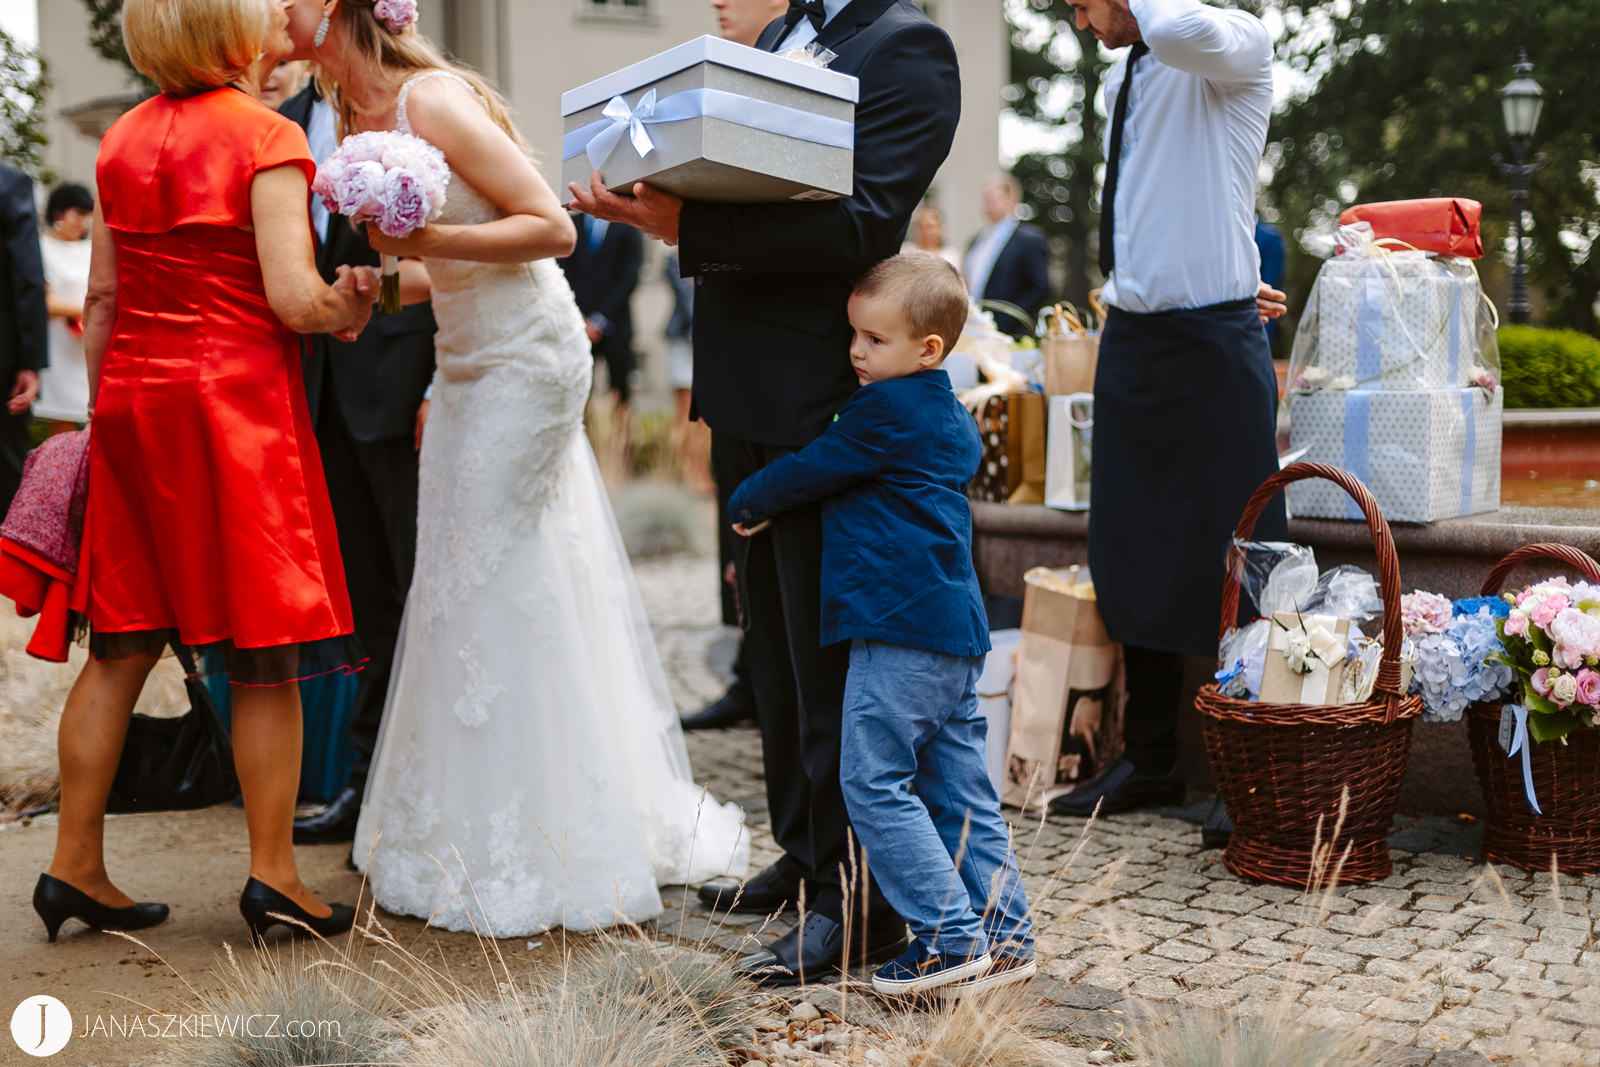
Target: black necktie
[[811, 9], [1108, 193]]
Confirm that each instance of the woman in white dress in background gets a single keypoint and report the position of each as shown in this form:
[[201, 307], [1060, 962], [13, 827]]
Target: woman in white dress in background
[[530, 771], [63, 401]]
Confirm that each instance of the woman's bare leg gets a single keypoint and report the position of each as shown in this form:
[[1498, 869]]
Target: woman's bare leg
[[266, 754]]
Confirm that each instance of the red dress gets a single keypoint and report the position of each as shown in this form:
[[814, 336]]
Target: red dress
[[208, 522]]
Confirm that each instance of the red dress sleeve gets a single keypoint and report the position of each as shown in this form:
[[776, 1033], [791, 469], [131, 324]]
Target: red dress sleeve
[[178, 161]]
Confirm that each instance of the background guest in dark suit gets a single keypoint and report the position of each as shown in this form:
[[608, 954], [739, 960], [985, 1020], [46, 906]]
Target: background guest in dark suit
[[772, 366], [23, 322], [368, 405], [1007, 261], [1274, 253], [603, 271]]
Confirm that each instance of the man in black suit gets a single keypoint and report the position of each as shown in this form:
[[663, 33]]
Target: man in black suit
[[771, 350], [368, 404], [1007, 261], [603, 271], [23, 321]]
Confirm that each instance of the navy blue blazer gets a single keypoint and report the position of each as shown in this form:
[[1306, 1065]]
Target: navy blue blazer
[[891, 471]]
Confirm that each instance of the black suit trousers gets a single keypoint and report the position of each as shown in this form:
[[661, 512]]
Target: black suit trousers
[[373, 485], [14, 446], [799, 691]]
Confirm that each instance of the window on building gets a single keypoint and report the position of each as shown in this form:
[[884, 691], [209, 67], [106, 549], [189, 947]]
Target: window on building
[[621, 9]]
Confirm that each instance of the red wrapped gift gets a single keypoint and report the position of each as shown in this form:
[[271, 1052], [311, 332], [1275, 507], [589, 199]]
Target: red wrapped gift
[[1447, 225]]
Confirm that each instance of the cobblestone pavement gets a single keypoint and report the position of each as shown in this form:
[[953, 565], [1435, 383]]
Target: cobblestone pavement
[[1446, 961]]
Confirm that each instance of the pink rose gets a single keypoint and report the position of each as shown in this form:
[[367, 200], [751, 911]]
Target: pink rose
[[1517, 623], [1547, 609], [1589, 687], [1541, 681]]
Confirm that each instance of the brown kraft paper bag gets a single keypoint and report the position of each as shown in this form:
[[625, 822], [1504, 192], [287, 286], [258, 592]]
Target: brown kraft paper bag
[[1066, 715], [1068, 351]]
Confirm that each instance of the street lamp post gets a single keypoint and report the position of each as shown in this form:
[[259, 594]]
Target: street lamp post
[[1521, 101]]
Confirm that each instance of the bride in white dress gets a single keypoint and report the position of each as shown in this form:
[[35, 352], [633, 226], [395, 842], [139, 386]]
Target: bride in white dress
[[530, 771]]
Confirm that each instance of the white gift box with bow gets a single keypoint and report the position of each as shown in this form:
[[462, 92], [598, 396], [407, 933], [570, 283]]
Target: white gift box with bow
[[1306, 658], [718, 121]]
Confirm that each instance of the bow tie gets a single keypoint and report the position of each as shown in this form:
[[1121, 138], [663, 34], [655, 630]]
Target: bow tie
[[811, 9]]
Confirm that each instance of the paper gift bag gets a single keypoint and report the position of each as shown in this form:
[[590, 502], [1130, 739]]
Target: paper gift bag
[[994, 700], [1069, 451], [1068, 350], [1066, 714], [1013, 466], [1321, 641]]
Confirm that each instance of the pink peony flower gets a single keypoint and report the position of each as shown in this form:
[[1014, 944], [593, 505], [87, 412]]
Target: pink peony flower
[[402, 204], [1547, 609], [358, 199], [1541, 681], [396, 15], [1589, 687], [1517, 623], [1577, 637], [1424, 613]]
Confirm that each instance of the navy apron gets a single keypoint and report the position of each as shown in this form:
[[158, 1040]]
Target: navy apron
[[1185, 430]]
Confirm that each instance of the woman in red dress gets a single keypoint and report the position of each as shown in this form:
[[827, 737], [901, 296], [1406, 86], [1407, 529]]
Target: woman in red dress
[[208, 525]]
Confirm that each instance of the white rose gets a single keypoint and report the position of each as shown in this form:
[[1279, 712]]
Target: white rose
[[1564, 689]]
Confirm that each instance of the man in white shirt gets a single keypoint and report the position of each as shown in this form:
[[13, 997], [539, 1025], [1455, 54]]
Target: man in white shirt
[[1185, 395]]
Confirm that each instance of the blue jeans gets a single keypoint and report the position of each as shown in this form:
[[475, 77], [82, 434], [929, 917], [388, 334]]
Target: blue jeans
[[920, 799]]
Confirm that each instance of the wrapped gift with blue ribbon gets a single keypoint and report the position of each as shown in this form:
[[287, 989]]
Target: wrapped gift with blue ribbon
[[717, 121]]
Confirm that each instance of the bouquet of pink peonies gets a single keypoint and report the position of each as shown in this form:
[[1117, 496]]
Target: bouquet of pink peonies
[[390, 179], [1551, 639]]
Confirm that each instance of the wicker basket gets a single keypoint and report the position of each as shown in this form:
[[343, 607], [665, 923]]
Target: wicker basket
[[1284, 769], [1566, 777]]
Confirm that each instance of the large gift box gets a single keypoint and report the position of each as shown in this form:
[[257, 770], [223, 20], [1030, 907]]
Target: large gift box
[[1395, 320], [1425, 455], [715, 120]]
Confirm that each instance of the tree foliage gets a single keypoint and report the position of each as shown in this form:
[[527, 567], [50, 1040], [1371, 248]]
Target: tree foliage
[[105, 36], [1406, 104], [23, 84]]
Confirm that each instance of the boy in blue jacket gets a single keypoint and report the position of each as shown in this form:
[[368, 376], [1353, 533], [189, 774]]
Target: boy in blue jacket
[[898, 584]]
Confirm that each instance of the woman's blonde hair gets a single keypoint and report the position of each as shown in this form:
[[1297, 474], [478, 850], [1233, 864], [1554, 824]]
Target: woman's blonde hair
[[404, 52], [190, 46]]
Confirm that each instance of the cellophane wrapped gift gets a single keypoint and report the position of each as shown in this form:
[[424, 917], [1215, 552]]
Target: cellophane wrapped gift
[[1381, 318], [1425, 454], [717, 121]]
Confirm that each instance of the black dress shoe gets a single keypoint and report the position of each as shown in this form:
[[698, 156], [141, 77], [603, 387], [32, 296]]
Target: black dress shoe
[[263, 907], [736, 707], [1217, 830], [762, 894], [814, 951], [56, 902], [1121, 787], [336, 823]]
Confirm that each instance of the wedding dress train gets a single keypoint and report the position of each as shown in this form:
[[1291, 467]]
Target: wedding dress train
[[530, 771]]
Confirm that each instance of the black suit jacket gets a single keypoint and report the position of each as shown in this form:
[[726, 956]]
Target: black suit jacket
[[771, 340], [603, 279], [23, 317], [378, 380], [1021, 276]]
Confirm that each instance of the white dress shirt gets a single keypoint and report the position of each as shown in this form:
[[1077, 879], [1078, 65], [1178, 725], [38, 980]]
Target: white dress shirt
[[804, 33], [324, 142], [985, 250], [1191, 149]]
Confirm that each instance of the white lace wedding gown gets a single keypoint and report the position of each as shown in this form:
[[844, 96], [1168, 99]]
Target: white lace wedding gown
[[530, 771]]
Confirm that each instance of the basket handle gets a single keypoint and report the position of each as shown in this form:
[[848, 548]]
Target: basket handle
[[1581, 562], [1388, 682]]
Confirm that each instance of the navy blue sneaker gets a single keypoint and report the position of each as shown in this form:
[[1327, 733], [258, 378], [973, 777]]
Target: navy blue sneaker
[[1005, 970], [917, 970]]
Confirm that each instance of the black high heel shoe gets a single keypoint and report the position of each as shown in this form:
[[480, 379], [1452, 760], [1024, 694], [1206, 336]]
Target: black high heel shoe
[[56, 902], [264, 907]]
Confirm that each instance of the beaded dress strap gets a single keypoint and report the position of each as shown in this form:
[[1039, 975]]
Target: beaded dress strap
[[401, 123]]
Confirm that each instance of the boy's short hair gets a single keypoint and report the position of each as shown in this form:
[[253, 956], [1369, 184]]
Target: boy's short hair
[[190, 46], [930, 293]]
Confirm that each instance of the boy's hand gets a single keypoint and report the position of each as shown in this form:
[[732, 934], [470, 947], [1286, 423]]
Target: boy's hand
[[750, 531]]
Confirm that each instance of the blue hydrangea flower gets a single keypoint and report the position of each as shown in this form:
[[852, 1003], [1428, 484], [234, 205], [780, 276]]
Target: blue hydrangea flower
[[1453, 667]]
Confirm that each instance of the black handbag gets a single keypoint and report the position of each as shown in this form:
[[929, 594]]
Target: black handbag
[[178, 763]]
